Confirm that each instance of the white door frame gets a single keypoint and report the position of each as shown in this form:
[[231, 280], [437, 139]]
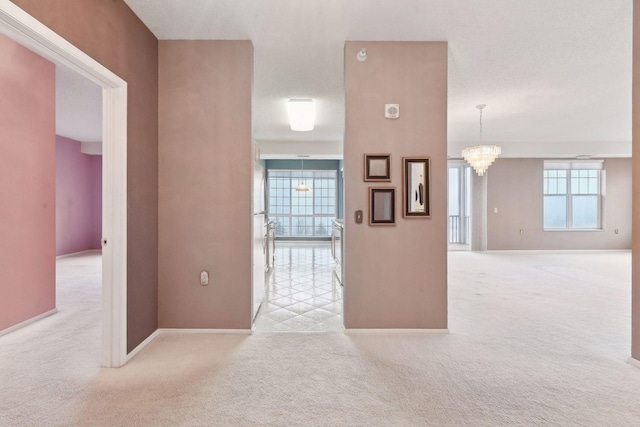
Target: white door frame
[[30, 33]]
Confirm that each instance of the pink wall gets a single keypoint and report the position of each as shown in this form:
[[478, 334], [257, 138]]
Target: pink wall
[[96, 179], [27, 184], [396, 276], [635, 329], [205, 183], [113, 35], [78, 198], [515, 188]]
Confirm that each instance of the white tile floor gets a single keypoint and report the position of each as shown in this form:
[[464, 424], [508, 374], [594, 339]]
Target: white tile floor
[[302, 294]]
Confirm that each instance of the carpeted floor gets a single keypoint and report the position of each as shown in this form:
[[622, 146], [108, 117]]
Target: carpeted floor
[[536, 339]]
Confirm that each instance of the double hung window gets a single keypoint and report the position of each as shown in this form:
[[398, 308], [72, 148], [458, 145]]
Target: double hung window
[[572, 195]]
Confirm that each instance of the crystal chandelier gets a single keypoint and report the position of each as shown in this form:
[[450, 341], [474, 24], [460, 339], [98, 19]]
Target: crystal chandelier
[[481, 156]]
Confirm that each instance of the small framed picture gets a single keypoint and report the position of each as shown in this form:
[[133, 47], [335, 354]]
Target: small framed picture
[[382, 206], [416, 200], [377, 167]]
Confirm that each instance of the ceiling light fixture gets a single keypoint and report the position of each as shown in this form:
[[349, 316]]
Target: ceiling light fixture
[[481, 156], [302, 114], [302, 186], [362, 55]]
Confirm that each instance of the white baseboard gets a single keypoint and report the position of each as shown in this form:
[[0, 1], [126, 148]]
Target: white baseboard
[[142, 345], [78, 253], [169, 331], [396, 331], [634, 362], [28, 322], [164, 331]]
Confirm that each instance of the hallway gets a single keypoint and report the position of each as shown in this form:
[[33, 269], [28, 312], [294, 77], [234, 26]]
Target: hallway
[[303, 294]]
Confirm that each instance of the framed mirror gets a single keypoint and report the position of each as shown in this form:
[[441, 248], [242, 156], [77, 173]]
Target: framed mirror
[[377, 167], [416, 194], [382, 206]]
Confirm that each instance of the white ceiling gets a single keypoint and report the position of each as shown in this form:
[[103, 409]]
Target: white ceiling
[[555, 75], [78, 107]]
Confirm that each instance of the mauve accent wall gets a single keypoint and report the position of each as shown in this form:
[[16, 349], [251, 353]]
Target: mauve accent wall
[[27, 184], [396, 276], [635, 302], [96, 194], [205, 183], [515, 188], [109, 32], [78, 198]]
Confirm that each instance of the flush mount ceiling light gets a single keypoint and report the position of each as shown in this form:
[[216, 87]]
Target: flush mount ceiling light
[[302, 186], [302, 113], [481, 156]]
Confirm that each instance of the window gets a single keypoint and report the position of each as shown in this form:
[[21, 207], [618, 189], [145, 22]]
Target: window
[[572, 195], [302, 213]]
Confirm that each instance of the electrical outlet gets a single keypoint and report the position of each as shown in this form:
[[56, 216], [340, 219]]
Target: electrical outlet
[[204, 278]]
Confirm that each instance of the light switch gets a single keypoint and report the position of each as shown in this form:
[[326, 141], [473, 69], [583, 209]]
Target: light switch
[[204, 278], [495, 210], [358, 217]]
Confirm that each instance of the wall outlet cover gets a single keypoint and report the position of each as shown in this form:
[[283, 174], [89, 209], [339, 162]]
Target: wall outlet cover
[[204, 278]]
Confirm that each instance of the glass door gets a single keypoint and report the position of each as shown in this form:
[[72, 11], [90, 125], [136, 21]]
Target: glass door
[[459, 226]]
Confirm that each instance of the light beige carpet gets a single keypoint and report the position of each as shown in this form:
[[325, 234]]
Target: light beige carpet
[[536, 339]]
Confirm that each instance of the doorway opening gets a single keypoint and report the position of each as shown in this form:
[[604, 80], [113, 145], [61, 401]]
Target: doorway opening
[[33, 35], [459, 222], [78, 212], [303, 283]]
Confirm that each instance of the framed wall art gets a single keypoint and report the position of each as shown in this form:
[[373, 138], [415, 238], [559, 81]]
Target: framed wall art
[[416, 194], [377, 167], [382, 206]]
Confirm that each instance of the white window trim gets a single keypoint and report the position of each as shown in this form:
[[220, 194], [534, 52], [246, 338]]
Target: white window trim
[[570, 165]]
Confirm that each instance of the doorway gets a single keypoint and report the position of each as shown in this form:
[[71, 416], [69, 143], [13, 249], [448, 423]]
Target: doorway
[[33, 35], [78, 193], [459, 221], [303, 290]]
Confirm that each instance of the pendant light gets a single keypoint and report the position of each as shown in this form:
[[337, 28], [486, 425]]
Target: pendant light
[[481, 156], [302, 186]]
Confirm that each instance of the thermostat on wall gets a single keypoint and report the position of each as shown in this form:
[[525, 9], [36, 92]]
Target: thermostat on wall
[[392, 111]]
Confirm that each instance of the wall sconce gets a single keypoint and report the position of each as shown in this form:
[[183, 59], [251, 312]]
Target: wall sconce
[[302, 114], [362, 55]]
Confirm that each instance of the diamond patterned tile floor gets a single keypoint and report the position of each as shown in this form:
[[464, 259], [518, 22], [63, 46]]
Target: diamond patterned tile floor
[[303, 294]]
